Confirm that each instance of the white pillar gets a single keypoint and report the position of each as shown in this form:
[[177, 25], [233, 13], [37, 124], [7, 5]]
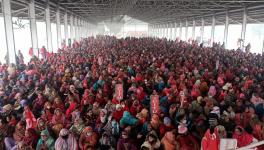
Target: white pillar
[[81, 29], [175, 31], [244, 27], [226, 28], [193, 30], [202, 30], [48, 28], [186, 31], [167, 30], [71, 24], [171, 27], [33, 27], [158, 31], [180, 34], [213, 30], [9, 33], [161, 31], [77, 28], [66, 27], [58, 25]]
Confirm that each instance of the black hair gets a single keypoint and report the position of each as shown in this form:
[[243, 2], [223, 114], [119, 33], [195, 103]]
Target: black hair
[[211, 129], [65, 137]]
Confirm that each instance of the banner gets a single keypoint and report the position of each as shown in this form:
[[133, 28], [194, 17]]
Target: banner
[[226, 144], [154, 104], [119, 91]]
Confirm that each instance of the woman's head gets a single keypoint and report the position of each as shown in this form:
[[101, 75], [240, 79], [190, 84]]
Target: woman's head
[[239, 130], [30, 132], [44, 135], [57, 111]]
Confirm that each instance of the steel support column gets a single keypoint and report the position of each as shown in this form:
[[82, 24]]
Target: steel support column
[[193, 30], [71, 24], [158, 31], [81, 28], [58, 25], [244, 27], [171, 27], [66, 28], [167, 31], [226, 28], [9, 32], [202, 30], [180, 34], [154, 30], [161, 31], [48, 28], [175, 31], [33, 27], [77, 36], [213, 30], [186, 30]]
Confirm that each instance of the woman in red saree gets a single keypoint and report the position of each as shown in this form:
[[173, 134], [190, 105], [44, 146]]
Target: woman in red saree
[[31, 121], [242, 137], [58, 121]]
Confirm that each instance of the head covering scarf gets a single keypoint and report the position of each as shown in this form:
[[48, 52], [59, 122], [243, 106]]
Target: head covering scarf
[[49, 141], [212, 91], [68, 143], [127, 119]]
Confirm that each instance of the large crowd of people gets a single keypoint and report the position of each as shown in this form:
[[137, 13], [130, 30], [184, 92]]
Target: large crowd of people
[[69, 100]]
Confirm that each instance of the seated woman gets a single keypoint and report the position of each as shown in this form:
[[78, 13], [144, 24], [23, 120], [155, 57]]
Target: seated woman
[[31, 138], [41, 125], [77, 127], [152, 141], [242, 137], [169, 141], [58, 121], [45, 142], [9, 141], [66, 141], [19, 131], [88, 139]]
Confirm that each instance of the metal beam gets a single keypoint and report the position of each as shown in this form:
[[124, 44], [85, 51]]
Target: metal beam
[[33, 27], [48, 27], [226, 28], [9, 32]]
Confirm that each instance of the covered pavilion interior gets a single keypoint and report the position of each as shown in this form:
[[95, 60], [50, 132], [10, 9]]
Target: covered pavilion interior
[[224, 21]]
